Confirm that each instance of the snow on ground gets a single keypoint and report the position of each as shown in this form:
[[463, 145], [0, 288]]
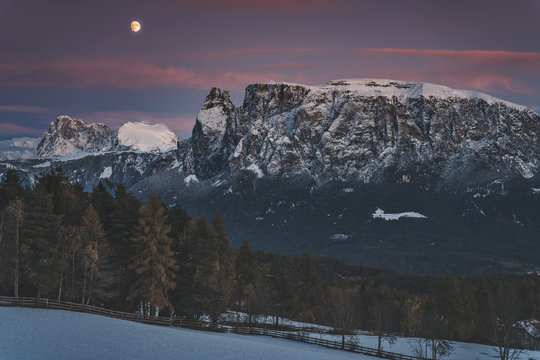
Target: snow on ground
[[146, 136], [55, 334], [461, 351], [379, 213]]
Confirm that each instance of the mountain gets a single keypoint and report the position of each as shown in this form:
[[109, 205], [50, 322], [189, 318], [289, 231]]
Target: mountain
[[69, 136], [338, 170], [367, 131], [146, 136]]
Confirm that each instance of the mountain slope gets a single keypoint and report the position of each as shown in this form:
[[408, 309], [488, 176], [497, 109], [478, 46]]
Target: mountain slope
[[306, 167]]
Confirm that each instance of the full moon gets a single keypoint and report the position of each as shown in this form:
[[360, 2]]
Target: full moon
[[135, 26]]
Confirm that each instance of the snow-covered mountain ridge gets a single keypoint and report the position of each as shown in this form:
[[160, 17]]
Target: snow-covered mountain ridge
[[68, 136], [367, 131]]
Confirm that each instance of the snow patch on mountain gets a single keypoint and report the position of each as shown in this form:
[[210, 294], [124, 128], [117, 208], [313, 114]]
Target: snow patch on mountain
[[43, 165], [146, 136], [380, 214], [191, 179], [107, 172], [255, 169], [212, 120]]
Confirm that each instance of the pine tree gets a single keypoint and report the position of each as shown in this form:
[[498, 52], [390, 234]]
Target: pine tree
[[308, 289], [225, 266], [41, 243], [10, 187], [154, 263], [15, 210], [197, 292], [245, 279], [93, 249], [280, 291]]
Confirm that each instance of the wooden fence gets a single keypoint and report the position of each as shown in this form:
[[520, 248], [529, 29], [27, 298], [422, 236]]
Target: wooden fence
[[296, 335]]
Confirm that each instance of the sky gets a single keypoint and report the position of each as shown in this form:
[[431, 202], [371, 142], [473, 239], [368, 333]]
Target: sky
[[80, 57]]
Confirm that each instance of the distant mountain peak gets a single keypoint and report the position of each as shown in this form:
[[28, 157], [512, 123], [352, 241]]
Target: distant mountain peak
[[146, 136], [67, 135]]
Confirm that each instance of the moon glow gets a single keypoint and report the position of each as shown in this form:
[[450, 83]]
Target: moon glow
[[135, 26]]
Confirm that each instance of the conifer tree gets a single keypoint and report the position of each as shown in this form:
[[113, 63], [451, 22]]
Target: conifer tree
[[197, 291], [93, 250], [307, 289], [280, 291], [225, 266], [10, 188], [41, 243], [245, 279], [154, 263], [15, 210]]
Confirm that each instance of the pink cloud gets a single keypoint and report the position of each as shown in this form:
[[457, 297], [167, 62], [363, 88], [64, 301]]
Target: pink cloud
[[252, 51], [485, 70], [263, 5], [7, 128], [124, 74], [23, 109]]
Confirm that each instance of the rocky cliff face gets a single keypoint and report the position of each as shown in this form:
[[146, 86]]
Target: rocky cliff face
[[368, 131], [68, 136]]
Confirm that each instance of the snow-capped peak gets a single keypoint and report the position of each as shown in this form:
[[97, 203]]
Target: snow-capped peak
[[146, 136]]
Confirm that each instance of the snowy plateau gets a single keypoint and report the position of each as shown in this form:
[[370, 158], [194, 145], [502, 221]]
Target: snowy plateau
[[146, 136], [59, 335]]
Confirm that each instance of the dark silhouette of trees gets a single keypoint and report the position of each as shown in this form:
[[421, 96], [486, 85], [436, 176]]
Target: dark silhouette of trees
[[154, 263]]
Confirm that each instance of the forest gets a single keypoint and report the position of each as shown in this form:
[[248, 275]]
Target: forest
[[107, 248]]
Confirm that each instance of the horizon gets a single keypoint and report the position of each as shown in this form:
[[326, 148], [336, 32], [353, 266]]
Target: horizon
[[87, 63]]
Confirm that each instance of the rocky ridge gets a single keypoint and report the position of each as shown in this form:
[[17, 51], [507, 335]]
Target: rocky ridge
[[368, 131]]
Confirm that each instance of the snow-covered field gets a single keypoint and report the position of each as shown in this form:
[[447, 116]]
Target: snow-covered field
[[54, 334], [461, 351]]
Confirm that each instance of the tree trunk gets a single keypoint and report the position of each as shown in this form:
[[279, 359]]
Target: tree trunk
[[17, 258], [84, 285], [60, 286], [90, 286]]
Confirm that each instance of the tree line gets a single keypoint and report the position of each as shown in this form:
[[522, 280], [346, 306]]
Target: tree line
[[106, 248]]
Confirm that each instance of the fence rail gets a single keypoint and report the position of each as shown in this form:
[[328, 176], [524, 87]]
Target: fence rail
[[202, 325]]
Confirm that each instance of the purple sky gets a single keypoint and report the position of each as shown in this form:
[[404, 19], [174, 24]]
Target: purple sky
[[80, 58]]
